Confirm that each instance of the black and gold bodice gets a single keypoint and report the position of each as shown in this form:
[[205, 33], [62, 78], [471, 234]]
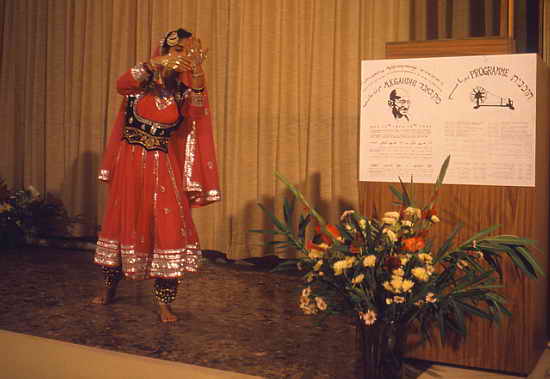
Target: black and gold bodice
[[150, 134]]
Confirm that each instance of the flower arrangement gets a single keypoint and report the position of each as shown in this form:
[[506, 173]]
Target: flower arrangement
[[25, 214], [387, 274]]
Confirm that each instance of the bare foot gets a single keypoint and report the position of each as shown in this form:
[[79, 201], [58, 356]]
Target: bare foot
[[166, 314], [106, 296]]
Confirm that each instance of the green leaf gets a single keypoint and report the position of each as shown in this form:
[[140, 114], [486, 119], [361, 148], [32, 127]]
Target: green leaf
[[264, 231], [444, 249], [286, 265], [397, 194], [278, 224], [288, 209], [477, 236], [475, 311]]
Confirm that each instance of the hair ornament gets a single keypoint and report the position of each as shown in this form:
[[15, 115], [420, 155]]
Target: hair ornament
[[172, 38]]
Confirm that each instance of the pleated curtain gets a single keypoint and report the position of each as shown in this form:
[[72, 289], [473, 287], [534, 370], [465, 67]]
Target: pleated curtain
[[283, 77]]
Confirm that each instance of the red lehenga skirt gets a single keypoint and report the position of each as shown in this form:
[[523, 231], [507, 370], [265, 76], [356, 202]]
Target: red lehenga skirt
[[147, 228]]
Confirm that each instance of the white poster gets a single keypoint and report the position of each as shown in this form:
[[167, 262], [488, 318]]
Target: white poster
[[481, 110]]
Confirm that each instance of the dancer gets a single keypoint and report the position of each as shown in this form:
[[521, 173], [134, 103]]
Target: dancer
[[159, 163]]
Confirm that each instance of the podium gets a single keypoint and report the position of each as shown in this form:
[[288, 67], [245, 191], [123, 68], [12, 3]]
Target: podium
[[517, 343]]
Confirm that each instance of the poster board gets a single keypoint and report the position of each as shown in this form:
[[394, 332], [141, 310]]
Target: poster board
[[481, 110]]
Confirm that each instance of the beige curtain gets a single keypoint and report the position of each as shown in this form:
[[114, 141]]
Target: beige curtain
[[284, 78]]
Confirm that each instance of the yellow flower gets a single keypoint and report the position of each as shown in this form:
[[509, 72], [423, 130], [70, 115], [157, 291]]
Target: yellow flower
[[369, 260], [387, 286], [363, 223], [350, 261], [391, 234], [407, 285], [398, 272], [389, 300], [320, 303], [396, 283], [404, 259], [434, 219], [426, 258], [318, 265], [420, 273], [407, 223], [412, 212], [339, 267], [358, 279], [5, 207]]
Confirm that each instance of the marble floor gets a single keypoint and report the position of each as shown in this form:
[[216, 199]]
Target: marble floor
[[232, 317]]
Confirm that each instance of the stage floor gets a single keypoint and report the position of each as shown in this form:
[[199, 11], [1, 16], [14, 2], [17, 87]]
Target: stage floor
[[231, 317]]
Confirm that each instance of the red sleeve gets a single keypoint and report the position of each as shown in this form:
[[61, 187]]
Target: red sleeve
[[134, 80]]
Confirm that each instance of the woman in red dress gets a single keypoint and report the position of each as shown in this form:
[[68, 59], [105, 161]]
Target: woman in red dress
[[159, 163]]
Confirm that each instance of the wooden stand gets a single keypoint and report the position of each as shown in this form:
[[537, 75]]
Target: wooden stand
[[517, 343]]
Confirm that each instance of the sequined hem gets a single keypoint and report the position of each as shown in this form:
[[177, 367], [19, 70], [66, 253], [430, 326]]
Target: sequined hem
[[205, 198], [161, 263]]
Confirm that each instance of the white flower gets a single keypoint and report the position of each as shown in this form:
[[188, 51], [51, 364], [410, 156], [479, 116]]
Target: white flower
[[369, 260], [390, 233], [434, 219], [33, 191], [394, 215], [407, 223], [346, 213], [430, 297], [306, 292], [369, 318], [308, 309], [399, 299], [321, 304], [358, 279]]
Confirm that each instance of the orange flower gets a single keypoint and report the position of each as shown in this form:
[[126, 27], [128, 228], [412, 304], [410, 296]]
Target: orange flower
[[413, 244], [333, 231], [429, 213]]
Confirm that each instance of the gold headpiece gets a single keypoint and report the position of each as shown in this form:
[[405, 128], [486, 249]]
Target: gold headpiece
[[172, 38]]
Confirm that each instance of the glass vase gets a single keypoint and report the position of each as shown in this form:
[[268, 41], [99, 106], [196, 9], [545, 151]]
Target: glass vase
[[382, 349]]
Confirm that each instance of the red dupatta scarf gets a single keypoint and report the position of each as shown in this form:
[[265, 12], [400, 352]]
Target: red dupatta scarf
[[194, 143]]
